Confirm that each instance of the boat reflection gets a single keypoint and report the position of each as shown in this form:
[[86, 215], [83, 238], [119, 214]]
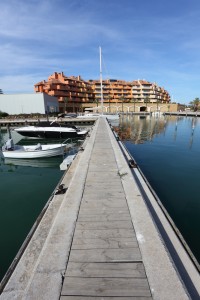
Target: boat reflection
[[51, 162]]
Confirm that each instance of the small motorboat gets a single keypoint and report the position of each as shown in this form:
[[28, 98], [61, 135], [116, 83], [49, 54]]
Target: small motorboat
[[9, 150], [51, 130]]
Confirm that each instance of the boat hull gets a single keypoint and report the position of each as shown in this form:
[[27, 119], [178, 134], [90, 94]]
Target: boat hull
[[28, 152], [48, 134]]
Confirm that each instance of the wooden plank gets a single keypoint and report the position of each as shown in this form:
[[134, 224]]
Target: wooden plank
[[102, 234], [104, 225], [92, 175], [102, 298], [106, 255], [119, 287], [107, 177], [95, 198], [110, 202], [112, 189], [103, 218], [92, 194], [103, 162], [108, 182], [102, 204], [103, 211], [106, 270], [105, 243], [102, 168]]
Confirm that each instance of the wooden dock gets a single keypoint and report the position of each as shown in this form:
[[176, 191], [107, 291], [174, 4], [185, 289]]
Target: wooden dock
[[105, 260], [99, 241], [4, 123]]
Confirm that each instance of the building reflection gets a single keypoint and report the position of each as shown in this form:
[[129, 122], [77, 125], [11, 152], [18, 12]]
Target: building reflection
[[140, 129]]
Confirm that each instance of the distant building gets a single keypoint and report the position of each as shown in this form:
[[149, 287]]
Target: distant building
[[113, 90], [28, 103], [74, 92], [71, 91], [144, 91]]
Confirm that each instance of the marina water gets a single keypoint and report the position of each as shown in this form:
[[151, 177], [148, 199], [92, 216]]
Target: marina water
[[25, 187], [167, 150]]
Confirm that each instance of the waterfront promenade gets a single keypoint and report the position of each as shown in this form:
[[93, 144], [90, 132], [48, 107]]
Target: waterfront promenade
[[99, 241]]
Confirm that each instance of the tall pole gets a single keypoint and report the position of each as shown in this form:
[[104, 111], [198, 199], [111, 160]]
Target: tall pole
[[101, 80]]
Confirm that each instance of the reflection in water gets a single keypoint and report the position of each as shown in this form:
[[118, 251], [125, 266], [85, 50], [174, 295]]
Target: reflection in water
[[139, 130], [24, 191], [167, 149], [51, 162]]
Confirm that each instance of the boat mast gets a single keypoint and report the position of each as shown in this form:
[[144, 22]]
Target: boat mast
[[101, 85]]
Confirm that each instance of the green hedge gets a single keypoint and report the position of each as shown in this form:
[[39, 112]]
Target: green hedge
[[3, 114]]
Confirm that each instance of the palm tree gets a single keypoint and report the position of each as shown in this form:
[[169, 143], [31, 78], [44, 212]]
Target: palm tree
[[146, 100], [195, 104], [133, 100], [122, 101], [109, 98]]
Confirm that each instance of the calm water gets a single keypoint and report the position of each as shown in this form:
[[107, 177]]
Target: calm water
[[167, 149], [25, 187]]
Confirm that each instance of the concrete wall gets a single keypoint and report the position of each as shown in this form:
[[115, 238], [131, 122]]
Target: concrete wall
[[131, 107], [28, 103]]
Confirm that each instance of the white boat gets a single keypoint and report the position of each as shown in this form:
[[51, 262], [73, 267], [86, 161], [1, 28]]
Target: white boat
[[97, 115], [51, 130], [67, 162], [89, 116], [36, 151]]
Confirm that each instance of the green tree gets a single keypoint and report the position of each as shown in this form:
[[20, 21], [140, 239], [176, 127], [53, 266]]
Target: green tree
[[195, 104], [3, 114], [1, 92]]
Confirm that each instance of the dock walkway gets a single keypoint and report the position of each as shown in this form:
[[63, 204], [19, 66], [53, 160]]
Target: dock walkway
[[105, 260], [98, 241]]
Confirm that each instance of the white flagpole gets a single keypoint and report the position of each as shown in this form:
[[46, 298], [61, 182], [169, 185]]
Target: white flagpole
[[101, 81]]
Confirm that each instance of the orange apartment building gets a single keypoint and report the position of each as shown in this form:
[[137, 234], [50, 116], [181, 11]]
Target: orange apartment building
[[74, 93], [144, 91], [71, 91], [113, 90]]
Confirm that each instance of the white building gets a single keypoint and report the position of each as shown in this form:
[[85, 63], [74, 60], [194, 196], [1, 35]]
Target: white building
[[28, 103]]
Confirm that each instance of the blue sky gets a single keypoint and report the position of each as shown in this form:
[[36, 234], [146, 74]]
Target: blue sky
[[156, 40]]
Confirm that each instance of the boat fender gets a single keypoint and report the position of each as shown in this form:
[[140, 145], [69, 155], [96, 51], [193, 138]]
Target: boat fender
[[38, 147], [9, 145]]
